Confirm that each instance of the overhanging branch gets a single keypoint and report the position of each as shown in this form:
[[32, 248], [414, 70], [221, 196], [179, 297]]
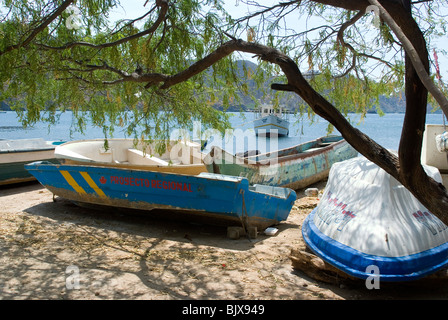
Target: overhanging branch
[[163, 4], [39, 28]]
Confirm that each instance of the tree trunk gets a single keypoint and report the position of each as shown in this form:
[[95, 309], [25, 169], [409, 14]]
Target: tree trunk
[[411, 172], [407, 168]]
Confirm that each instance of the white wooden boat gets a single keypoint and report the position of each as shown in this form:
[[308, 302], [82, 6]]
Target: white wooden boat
[[367, 223], [14, 154], [271, 121], [182, 157]]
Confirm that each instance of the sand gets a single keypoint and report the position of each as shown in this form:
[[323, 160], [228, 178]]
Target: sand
[[53, 249]]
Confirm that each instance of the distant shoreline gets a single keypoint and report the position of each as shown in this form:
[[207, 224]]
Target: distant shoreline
[[247, 109]]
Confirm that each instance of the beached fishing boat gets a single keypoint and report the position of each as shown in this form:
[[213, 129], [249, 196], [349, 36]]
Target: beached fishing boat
[[14, 154], [271, 121], [295, 167], [183, 157], [367, 224], [211, 197]]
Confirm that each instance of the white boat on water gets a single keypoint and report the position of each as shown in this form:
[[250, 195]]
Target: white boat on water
[[183, 157], [271, 121]]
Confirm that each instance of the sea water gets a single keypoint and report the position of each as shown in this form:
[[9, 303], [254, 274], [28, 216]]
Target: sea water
[[385, 130]]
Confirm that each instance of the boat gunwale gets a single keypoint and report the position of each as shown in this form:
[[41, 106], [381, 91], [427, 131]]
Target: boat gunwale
[[27, 150], [129, 166], [72, 160], [116, 166]]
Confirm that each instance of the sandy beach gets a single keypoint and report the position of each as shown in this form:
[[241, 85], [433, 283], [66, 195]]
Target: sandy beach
[[54, 250]]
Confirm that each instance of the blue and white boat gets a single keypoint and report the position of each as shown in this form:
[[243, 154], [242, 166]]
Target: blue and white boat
[[270, 121], [214, 197], [368, 224]]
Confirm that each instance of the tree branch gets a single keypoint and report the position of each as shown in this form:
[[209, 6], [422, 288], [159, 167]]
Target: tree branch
[[340, 37], [163, 4], [124, 76], [39, 28], [354, 5]]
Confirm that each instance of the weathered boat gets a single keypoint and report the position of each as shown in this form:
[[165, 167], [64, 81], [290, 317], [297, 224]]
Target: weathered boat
[[271, 121], [14, 154], [369, 225], [295, 167], [175, 156], [212, 197]]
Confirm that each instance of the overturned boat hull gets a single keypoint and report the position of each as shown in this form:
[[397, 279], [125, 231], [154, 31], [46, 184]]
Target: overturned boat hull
[[367, 224]]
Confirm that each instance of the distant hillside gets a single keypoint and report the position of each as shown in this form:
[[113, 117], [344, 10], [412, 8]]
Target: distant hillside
[[394, 104], [4, 106], [388, 104]]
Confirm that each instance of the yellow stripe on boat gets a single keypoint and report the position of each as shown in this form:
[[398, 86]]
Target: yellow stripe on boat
[[92, 184], [72, 182]]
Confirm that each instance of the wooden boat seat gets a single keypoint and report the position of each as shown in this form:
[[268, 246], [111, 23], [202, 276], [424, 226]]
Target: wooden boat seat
[[137, 157]]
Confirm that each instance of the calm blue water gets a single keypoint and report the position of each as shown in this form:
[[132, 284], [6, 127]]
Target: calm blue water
[[385, 130]]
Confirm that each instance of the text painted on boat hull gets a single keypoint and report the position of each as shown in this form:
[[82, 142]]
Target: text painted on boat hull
[[149, 183]]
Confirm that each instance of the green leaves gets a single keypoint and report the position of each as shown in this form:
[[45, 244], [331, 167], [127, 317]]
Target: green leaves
[[85, 70]]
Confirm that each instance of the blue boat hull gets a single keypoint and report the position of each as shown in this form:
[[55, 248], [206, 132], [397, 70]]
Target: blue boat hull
[[226, 198]]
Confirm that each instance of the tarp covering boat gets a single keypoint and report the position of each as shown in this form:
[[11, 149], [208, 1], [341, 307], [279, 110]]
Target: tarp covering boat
[[367, 218]]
